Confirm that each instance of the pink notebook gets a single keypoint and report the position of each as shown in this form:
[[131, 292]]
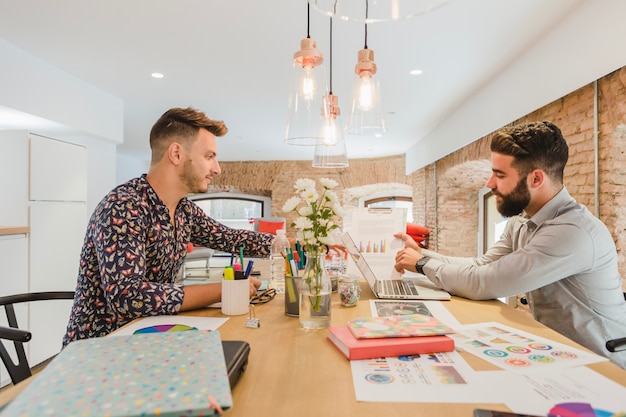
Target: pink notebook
[[398, 326]]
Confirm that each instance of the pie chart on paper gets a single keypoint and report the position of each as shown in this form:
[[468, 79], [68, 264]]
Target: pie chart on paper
[[577, 410], [160, 328]]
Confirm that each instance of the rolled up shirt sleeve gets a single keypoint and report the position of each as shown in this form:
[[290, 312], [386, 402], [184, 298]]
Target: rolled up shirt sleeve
[[554, 252]]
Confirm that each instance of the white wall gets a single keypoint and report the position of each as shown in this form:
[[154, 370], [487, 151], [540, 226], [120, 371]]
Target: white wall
[[556, 66], [101, 168], [35, 87], [129, 167]]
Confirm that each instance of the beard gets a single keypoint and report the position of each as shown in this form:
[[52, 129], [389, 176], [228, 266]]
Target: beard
[[193, 181], [514, 202]]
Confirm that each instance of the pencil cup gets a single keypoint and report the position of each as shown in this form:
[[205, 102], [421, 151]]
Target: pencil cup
[[235, 296], [292, 298]]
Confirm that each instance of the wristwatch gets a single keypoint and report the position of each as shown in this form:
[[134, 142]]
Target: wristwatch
[[419, 265]]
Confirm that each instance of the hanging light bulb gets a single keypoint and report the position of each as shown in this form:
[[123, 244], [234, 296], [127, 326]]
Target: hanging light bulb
[[366, 113], [366, 88], [330, 150], [305, 61], [308, 86]]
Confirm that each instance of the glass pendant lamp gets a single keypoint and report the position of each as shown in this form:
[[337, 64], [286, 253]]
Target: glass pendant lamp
[[330, 150], [366, 112], [308, 87]]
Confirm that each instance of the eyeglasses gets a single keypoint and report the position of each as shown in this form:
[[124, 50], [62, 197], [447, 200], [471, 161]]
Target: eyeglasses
[[263, 297]]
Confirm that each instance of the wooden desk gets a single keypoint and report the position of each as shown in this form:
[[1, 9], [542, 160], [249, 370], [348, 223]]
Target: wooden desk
[[288, 364]]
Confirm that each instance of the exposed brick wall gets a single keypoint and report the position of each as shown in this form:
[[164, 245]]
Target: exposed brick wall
[[612, 150], [276, 179]]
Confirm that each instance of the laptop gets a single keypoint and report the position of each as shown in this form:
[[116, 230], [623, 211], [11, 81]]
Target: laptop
[[387, 283], [236, 354]]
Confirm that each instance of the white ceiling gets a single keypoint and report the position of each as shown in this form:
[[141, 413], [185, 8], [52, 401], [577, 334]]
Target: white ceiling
[[232, 59]]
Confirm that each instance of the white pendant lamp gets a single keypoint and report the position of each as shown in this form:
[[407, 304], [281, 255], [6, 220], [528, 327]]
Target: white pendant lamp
[[308, 87]]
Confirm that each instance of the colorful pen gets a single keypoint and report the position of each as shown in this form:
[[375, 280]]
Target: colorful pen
[[249, 268]]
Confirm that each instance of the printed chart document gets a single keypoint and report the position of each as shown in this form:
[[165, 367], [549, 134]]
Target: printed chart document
[[435, 377], [156, 324], [380, 308], [517, 351], [372, 230], [537, 393]]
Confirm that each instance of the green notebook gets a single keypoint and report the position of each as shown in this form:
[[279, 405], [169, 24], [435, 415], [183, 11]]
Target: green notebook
[[164, 374]]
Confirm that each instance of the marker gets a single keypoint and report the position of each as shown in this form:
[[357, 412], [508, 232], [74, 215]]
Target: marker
[[249, 268], [241, 254], [229, 273]]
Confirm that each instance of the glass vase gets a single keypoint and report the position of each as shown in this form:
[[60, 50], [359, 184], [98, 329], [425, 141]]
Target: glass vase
[[315, 292]]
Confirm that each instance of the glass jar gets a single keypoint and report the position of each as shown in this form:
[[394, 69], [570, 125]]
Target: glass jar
[[349, 290]]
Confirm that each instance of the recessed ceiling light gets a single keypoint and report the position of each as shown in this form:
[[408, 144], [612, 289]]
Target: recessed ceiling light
[[416, 72], [157, 75]]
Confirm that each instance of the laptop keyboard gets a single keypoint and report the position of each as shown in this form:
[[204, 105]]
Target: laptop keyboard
[[398, 287]]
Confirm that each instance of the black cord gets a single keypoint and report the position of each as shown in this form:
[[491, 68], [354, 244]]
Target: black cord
[[308, 18], [330, 84], [367, 6]]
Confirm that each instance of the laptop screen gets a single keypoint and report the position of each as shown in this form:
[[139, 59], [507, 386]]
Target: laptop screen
[[358, 259]]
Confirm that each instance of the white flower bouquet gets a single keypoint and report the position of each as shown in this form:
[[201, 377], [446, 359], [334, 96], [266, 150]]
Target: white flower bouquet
[[316, 212]]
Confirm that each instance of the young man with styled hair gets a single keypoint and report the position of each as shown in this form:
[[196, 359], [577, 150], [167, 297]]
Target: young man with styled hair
[[137, 237]]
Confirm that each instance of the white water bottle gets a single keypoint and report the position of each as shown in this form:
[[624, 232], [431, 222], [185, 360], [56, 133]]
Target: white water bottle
[[277, 261]]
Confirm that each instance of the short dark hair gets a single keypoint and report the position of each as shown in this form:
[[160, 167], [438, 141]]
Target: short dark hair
[[536, 145], [181, 125]]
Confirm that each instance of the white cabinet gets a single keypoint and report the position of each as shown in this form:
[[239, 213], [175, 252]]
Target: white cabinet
[[13, 178], [57, 219], [58, 170]]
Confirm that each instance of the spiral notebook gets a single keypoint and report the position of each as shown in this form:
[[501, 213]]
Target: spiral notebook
[[166, 374]]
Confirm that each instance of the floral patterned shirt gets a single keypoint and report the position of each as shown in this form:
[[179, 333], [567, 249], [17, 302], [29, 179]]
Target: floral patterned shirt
[[132, 254]]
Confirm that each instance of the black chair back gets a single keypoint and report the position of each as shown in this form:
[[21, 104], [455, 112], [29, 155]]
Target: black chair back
[[20, 370]]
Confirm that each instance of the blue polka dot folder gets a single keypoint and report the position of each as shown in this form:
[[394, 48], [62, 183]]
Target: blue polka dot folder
[[155, 374]]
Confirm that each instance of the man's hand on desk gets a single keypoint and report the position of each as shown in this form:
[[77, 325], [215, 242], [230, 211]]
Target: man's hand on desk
[[407, 257], [254, 286], [202, 295]]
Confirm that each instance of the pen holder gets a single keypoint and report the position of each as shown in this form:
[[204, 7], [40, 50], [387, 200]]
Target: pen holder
[[235, 296], [292, 296]]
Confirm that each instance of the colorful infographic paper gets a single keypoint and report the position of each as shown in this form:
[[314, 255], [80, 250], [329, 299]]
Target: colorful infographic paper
[[517, 351], [437, 377]]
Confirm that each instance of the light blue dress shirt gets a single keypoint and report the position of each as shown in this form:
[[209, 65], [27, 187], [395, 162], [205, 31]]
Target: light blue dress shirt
[[564, 258]]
